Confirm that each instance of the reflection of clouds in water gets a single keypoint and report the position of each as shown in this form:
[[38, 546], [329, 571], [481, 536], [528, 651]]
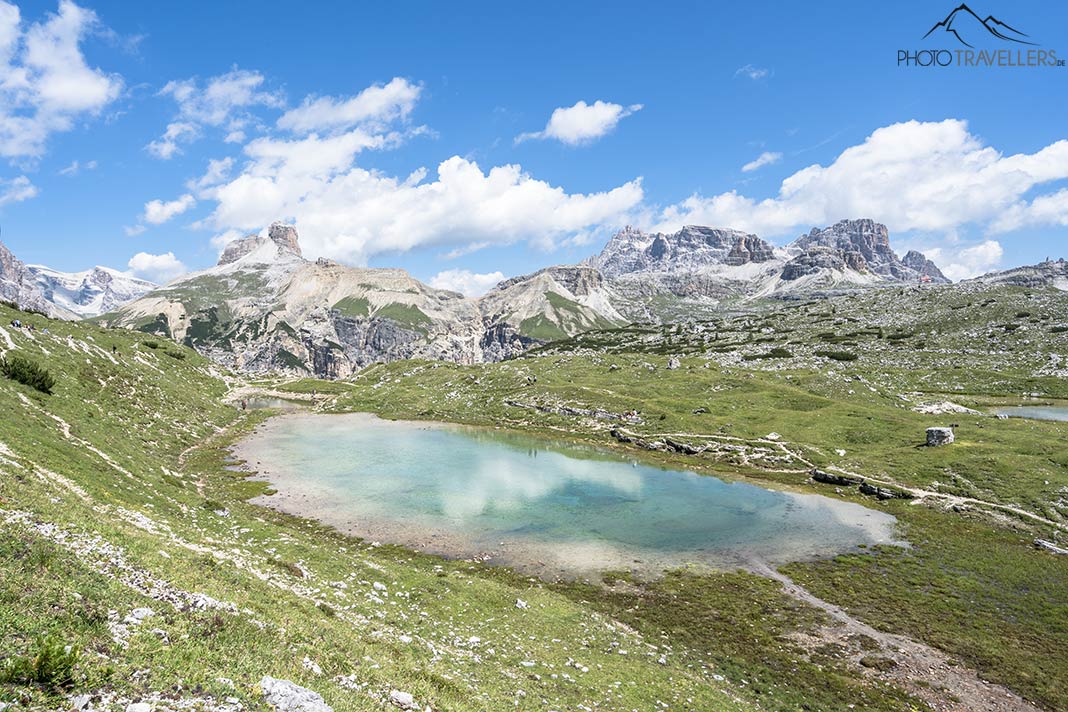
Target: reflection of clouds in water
[[877, 525], [500, 482]]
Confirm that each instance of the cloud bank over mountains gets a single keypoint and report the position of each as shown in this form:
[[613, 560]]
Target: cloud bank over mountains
[[311, 161]]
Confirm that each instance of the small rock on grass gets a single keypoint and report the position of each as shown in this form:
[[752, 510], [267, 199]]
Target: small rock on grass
[[404, 700], [286, 696]]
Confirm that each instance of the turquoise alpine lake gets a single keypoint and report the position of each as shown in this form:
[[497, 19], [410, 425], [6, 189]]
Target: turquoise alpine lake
[[1036, 412], [543, 507]]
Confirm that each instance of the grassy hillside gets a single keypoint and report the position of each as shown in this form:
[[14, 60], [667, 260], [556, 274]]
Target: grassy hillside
[[133, 570], [116, 496]]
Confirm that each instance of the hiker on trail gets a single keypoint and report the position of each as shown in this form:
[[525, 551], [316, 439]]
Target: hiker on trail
[[114, 349], [244, 404]]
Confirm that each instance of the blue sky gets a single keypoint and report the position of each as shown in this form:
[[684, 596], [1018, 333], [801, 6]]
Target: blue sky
[[423, 135]]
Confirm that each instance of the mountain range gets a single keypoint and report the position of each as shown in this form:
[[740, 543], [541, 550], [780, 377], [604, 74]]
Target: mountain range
[[88, 293], [265, 307]]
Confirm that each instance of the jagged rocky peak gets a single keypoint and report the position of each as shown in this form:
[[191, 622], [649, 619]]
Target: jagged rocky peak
[[239, 248], [280, 233], [691, 248], [861, 246], [869, 238], [285, 236], [926, 268]]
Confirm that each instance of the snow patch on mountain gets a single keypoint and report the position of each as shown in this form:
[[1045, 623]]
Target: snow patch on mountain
[[90, 293]]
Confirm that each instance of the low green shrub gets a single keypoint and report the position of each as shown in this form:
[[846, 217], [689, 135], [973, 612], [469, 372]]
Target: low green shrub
[[50, 665], [838, 355], [777, 352], [28, 373]]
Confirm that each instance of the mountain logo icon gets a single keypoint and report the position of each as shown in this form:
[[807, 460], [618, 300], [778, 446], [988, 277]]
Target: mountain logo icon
[[964, 24]]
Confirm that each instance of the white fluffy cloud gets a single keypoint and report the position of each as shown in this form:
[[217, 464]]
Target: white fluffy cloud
[[45, 82], [156, 268], [466, 282], [169, 144], [931, 176], [222, 101], [218, 170], [766, 158], [967, 262], [379, 103], [158, 212], [349, 213], [582, 123], [221, 97], [1050, 209], [751, 72], [16, 190]]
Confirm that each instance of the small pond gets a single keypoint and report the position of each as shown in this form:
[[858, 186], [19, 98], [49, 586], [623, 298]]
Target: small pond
[[1036, 412], [543, 507]]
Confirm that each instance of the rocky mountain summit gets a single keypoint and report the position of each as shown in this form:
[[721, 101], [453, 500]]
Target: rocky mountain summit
[[858, 246], [282, 236], [690, 249], [91, 292], [17, 285], [552, 303], [264, 307], [700, 270]]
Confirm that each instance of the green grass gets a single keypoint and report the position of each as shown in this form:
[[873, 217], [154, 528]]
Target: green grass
[[353, 307], [567, 317], [407, 315]]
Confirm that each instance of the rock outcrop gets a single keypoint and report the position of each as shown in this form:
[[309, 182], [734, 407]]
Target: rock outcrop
[[286, 696], [937, 437], [919, 263], [1049, 273], [18, 286]]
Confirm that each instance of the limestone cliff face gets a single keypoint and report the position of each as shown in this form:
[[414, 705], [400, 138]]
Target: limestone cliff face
[[861, 246], [690, 249], [17, 285]]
